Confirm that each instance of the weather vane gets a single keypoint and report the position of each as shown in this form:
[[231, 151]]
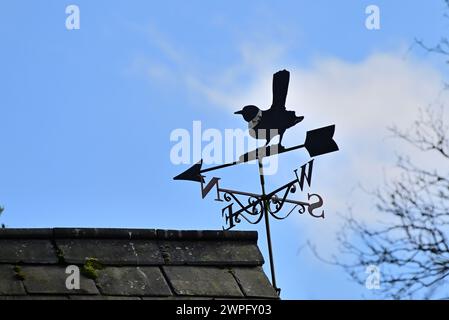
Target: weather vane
[[253, 207]]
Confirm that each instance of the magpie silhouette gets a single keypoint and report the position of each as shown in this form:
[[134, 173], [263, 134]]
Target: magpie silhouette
[[267, 124]]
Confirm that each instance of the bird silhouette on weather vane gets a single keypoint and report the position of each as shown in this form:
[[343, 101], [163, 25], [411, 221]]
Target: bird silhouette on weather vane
[[276, 120], [266, 125]]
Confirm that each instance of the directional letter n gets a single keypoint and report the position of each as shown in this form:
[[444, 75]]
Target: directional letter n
[[307, 177], [206, 189]]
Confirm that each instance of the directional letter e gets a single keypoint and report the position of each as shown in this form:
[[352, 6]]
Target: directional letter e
[[72, 22]]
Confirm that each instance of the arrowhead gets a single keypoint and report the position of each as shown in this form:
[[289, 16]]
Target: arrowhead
[[320, 141], [192, 174]]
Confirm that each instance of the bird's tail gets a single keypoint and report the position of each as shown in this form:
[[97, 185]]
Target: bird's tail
[[280, 88]]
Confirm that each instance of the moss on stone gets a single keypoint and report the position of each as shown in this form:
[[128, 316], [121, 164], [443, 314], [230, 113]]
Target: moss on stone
[[18, 273], [90, 268], [60, 255]]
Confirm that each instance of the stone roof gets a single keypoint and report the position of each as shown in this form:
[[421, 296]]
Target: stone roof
[[131, 264]]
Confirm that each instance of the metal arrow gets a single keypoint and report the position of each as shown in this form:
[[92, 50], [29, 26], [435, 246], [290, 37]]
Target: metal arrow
[[318, 142]]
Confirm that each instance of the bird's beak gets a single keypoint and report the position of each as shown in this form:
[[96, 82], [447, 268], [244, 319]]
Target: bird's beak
[[238, 112]]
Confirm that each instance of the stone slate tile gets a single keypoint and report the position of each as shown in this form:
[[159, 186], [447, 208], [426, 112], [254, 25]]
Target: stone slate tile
[[178, 298], [202, 281], [147, 252], [27, 251], [254, 283], [82, 297], [9, 284], [22, 233], [52, 279], [110, 251], [133, 281], [34, 297], [196, 235], [104, 233], [213, 253]]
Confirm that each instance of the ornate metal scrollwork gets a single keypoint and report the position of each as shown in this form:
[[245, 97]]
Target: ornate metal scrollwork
[[252, 212], [254, 209]]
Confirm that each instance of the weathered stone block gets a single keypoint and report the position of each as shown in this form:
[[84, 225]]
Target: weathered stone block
[[202, 281], [133, 281]]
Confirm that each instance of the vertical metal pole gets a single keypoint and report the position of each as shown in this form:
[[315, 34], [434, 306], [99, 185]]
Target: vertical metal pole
[[267, 226]]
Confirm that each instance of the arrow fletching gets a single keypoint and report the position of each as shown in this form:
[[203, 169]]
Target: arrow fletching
[[192, 174], [321, 141]]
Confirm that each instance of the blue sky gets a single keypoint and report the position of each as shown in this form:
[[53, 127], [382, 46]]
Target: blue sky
[[86, 115]]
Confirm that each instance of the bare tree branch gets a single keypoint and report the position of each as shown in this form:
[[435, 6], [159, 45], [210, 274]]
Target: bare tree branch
[[412, 247]]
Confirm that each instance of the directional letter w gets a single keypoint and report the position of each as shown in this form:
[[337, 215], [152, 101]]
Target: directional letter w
[[305, 176]]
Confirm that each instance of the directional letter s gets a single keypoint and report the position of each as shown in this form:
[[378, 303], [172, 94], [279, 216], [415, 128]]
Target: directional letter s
[[315, 205]]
